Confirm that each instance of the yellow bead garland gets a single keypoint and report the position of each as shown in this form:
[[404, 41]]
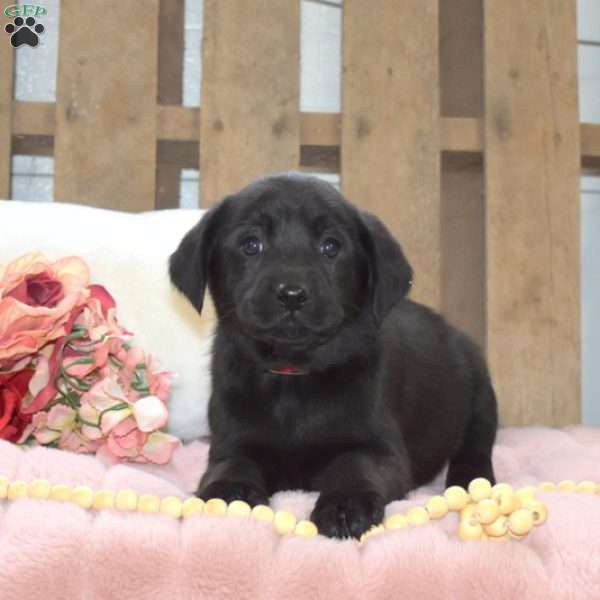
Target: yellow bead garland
[[486, 512]]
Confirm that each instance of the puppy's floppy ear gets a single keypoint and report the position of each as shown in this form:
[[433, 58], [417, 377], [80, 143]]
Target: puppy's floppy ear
[[390, 274], [188, 265]]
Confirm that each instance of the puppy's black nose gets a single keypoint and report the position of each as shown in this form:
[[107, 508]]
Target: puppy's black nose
[[291, 297]]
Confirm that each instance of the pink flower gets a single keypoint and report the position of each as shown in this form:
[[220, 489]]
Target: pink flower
[[159, 380], [150, 413], [103, 407], [37, 298], [126, 442], [50, 426]]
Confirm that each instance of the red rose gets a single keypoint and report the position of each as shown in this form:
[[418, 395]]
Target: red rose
[[13, 387], [40, 289]]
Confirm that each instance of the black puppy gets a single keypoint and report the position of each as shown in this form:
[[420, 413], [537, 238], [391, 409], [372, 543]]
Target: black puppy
[[325, 376]]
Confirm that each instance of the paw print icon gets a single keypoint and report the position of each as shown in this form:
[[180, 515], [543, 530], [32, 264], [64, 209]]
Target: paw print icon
[[24, 32]]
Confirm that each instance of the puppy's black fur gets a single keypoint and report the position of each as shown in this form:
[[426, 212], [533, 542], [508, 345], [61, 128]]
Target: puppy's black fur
[[384, 391]]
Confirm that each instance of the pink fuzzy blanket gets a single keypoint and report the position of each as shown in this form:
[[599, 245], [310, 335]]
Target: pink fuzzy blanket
[[54, 550]]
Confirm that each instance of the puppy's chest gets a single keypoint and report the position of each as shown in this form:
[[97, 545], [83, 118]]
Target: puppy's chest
[[301, 419]]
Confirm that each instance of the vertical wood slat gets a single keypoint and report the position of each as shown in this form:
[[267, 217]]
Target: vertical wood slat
[[6, 98], [250, 122], [463, 242], [105, 141], [170, 89], [390, 126], [532, 213]]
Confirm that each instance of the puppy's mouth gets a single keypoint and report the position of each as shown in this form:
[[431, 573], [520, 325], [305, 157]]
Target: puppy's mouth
[[292, 332]]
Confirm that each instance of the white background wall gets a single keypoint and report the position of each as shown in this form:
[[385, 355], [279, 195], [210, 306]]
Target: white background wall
[[320, 91]]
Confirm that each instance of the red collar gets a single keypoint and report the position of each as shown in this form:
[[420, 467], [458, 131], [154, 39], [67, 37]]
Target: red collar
[[287, 370]]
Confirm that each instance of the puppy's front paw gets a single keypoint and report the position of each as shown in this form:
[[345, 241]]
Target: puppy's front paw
[[233, 490], [343, 515]]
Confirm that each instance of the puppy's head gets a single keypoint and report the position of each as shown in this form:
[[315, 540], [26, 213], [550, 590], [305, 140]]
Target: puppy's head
[[289, 262]]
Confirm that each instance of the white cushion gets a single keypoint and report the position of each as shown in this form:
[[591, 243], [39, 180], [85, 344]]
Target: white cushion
[[128, 254]]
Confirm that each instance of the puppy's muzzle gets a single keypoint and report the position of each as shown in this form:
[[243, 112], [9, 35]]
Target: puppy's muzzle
[[291, 297]]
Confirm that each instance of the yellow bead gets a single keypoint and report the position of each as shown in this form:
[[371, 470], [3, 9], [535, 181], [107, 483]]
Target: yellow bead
[[470, 530], [126, 500], [498, 528], [538, 510], [508, 502], [38, 488], [375, 530], [456, 497], [83, 496], [192, 506], [525, 493], [586, 487], [104, 499], [60, 492], [216, 507], [480, 489], [514, 536], [468, 512], [397, 521], [547, 486], [263, 513], [306, 529], [499, 538], [148, 503], [171, 506], [567, 485], [437, 507], [521, 521], [16, 489], [417, 516], [501, 488], [3, 487], [284, 522], [239, 508], [487, 511], [504, 495]]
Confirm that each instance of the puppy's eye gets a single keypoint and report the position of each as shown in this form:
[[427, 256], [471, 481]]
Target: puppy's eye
[[251, 246], [330, 248]]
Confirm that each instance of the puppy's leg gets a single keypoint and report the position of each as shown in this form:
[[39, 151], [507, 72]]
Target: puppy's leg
[[237, 478], [474, 457], [355, 487]]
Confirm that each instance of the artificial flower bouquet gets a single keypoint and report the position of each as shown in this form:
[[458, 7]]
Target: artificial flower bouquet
[[69, 376]]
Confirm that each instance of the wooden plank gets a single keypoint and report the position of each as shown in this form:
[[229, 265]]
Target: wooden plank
[[170, 90], [390, 126], [532, 209], [461, 134], [182, 124], [34, 118], [590, 147], [6, 102], [461, 96], [250, 122], [463, 247], [178, 123], [320, 129], [105, 146], [461, 58]]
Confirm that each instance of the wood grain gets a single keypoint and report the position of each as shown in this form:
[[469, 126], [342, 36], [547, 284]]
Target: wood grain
[[6, 102], [532, 209], [390, 126], [463, 240], [105, 141], [170, 90], [250, 122], [182, 124]]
